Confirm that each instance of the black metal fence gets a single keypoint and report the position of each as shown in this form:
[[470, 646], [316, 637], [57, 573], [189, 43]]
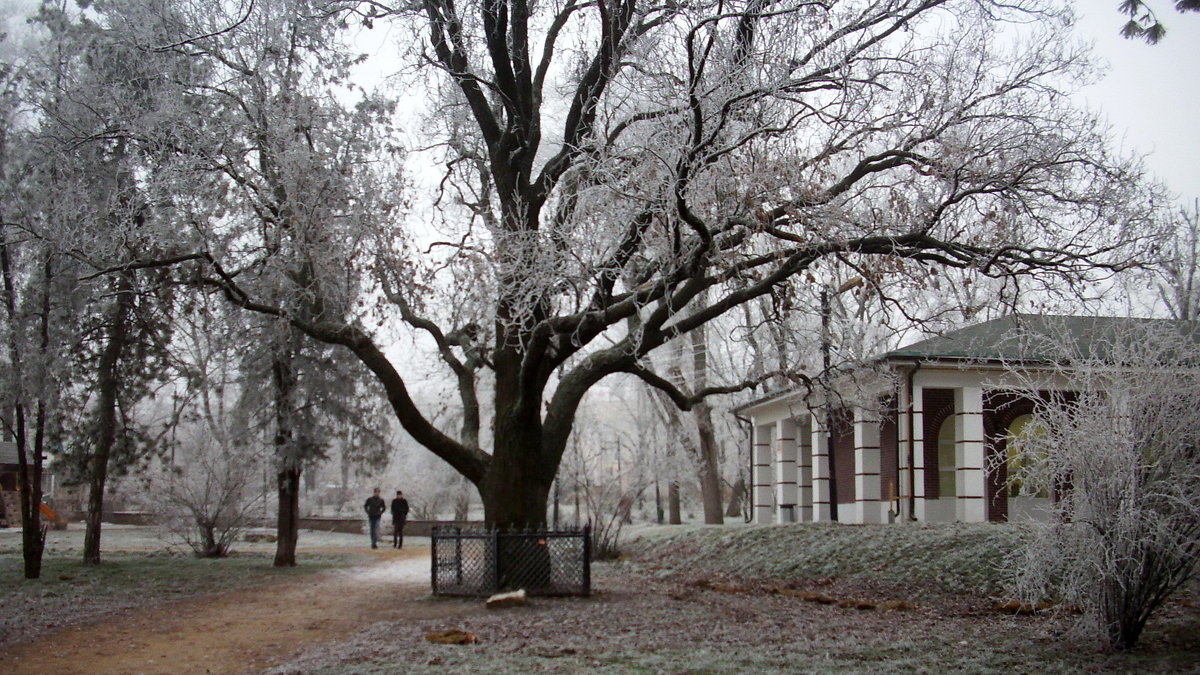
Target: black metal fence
[[484, 562]]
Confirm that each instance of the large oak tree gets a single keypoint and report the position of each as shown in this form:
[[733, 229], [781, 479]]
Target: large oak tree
[[618, 173]]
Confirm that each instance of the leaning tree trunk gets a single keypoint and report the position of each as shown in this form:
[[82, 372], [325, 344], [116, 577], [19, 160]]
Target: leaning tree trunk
[[108, 380]]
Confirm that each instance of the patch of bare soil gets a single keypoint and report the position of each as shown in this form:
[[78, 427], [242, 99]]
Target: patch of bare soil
[[238, 631]]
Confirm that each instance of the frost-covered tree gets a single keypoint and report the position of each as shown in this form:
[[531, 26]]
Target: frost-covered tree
[[1122, 456], [619, 174], [37, 288], [1179, 286], [95, 99], [291, 191], [30, 289]]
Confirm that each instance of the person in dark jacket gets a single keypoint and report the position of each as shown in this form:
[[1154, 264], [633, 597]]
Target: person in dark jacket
[[399, 515], [374, 507]]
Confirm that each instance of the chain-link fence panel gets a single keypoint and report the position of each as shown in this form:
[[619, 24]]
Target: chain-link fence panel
[[483, 562]]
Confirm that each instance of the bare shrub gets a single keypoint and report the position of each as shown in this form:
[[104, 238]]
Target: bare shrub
[[608, 487], [609, 510], [208, 500], [1121, 454]]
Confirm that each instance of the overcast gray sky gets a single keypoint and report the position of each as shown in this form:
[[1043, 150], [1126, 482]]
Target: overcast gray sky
[[1151, 94]]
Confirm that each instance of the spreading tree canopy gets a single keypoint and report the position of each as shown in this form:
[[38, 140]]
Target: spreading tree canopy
[[614, 174]]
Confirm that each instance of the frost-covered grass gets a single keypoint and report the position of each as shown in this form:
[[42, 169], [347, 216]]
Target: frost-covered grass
[[137, 569], [658, 612], [957, 558]]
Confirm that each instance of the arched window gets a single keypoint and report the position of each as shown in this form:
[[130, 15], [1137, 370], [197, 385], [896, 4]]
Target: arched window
[[947, 470], [1021, 430]]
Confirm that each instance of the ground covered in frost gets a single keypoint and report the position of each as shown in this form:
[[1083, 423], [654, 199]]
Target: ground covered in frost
[[139, 568], [690, 599], [766, 599]]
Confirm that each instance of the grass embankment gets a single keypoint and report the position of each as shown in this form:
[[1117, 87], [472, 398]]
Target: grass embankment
[[958, 558]]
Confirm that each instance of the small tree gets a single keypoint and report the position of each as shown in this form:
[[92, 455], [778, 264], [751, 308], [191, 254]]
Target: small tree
[[1178, 285], [209, 500], [1122, 456]]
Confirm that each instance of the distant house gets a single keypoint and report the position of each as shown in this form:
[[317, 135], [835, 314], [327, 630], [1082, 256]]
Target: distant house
[[9, 466], [920, 432], [10, 513], [10, 471]]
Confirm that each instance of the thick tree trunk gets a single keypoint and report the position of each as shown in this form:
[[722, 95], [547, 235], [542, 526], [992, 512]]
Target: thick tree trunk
[[287, 477], [516, 487], [708, 459], [287, 525], [708, 465], [108, 380], [516, 490]]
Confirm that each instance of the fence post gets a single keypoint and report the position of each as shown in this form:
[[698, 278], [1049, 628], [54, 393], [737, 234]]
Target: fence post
[[495, 540], [587, 559], [458, 556], [433, 557]]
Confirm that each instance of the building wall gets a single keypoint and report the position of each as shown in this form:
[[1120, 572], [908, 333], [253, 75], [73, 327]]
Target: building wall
[[790, 451]]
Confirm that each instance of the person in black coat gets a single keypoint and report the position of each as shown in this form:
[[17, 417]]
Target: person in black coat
[[374, 507], [399, 515]]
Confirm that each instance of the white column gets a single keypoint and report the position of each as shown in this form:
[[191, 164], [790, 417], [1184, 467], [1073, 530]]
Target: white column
[[866, 467], [804, 468], [820, 468], [918, 457], [764, 498], [785, 471], [970, 505], [903, 434]]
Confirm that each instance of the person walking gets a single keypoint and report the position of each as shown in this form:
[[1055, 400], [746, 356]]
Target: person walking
[[399, 515], [374, 507]]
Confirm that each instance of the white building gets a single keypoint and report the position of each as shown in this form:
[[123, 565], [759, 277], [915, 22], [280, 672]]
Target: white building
[[918, 433]]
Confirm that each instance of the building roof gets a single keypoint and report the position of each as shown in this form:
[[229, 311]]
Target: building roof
[[1034, 338], [1028, 339]]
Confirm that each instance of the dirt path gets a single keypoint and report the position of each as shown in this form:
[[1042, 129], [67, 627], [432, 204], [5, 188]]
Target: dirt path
[[237, 631]]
